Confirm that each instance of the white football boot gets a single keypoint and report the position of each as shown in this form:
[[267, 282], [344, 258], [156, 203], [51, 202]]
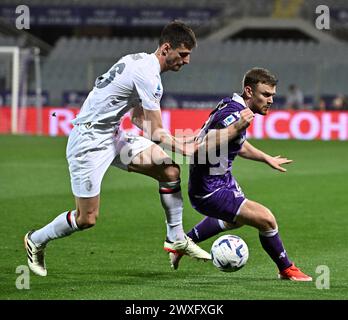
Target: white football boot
[[36, 256], [174, 259], [185, 247]]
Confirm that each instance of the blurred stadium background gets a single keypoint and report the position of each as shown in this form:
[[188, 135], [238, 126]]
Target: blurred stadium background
[[77, 40]]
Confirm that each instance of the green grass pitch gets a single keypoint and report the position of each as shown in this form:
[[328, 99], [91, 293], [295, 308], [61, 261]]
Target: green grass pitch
[[122, 257]]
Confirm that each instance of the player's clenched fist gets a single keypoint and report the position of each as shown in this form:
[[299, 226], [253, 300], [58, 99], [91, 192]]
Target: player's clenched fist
[[246, 116]]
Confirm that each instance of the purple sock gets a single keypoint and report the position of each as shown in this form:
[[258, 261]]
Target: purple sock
[[273, 245], [205, 229]]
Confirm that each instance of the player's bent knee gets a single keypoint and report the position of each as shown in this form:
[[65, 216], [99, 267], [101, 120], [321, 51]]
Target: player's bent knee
[[171, 173], [268, 221]]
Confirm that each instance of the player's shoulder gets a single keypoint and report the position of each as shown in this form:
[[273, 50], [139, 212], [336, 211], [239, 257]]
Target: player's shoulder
[[228, 105], [227, 111], [142, 60], [144, 65], [234, 103]]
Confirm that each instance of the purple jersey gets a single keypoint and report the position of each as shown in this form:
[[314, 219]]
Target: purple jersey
[[211, 175]]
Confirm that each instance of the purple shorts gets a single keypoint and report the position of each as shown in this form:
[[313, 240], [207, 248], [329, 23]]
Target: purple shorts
[[223, 204]]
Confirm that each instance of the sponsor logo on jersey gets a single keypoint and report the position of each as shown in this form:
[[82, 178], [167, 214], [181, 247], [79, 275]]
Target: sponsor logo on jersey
[[231, 118]]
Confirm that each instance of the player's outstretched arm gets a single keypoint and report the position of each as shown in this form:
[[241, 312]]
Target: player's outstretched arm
[[248, 151], [153, 130]]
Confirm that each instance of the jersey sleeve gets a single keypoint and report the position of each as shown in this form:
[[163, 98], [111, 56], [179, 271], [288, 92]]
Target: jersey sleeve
[[149, 88]]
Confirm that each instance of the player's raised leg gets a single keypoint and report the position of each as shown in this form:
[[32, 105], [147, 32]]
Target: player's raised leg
[[154, 162], [256, 215], [210, 227]]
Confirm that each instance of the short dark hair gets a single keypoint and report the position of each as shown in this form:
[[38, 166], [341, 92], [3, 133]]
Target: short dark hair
[[177, 33], [259, 75]]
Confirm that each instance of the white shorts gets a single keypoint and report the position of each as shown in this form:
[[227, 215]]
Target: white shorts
[[92, 149]]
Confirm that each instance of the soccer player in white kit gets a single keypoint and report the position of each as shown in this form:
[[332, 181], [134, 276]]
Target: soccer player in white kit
[[132, 84]]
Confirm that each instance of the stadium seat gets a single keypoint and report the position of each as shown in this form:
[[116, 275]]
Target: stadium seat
[[215, 67]]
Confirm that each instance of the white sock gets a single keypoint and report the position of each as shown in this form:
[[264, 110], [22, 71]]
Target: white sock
[[62, 226], [269, 233], [172, 203]]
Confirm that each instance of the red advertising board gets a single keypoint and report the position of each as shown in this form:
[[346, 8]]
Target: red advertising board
[[302, 125]]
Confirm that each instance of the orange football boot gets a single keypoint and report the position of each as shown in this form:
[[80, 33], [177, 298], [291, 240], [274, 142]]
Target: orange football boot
[[293, 273]]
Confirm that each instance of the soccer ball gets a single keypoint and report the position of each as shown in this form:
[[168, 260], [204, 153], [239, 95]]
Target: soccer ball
[[229, 253]]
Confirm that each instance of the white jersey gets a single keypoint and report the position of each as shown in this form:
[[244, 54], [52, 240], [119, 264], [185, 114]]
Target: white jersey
[[133, 80]]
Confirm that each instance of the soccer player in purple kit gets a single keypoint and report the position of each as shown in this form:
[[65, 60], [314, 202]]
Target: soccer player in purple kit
[[215, 193]]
